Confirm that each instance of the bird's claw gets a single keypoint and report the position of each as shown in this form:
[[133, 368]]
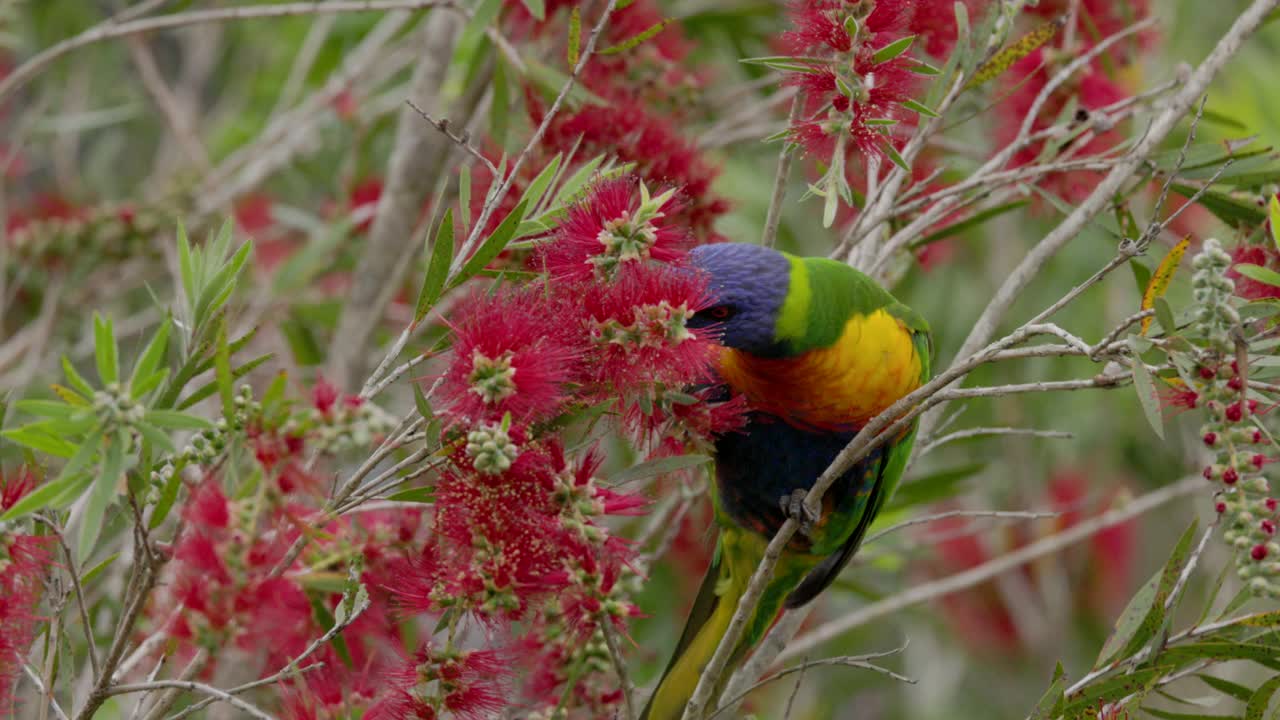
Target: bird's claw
[[793, 507]]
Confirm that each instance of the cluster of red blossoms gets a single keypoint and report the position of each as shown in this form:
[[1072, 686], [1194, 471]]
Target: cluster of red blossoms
[[519, 532], [23, 560], [1095, 87]]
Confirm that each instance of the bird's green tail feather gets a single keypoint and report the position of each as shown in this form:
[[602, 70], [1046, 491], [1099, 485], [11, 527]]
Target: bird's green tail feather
[[738, 553]]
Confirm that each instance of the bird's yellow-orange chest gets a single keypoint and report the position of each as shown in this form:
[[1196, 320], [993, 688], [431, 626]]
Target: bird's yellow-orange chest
[[871, 366]]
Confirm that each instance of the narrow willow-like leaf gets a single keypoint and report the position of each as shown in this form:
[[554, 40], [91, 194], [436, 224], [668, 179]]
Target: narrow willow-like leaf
[[1273, 216], [34, 437], [101, 494], [1051, 701], [538, 186], [575, 36], [105, 351], [892, 152], [152, 356], [437, 267], [893, 49], [491, 247], [919, 108], [76, 379], [174, 420], [1146, 390], [222, 372], [1259, 273], [638, 38], [1020, 48], [1160, 279], [659, 466]]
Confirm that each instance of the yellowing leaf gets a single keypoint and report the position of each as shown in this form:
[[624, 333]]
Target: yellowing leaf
[[1020, 48], [1159, 283]]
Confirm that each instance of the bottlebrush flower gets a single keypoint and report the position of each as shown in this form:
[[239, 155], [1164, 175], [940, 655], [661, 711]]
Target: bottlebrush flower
[[1099, 19], [630, 132], [852, 96], [513, 353], [618, 223], [1092, 89], [436, 683], [24, 560], [637, 329]]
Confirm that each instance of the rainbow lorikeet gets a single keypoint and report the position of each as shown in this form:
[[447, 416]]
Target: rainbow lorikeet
[[818, 349]]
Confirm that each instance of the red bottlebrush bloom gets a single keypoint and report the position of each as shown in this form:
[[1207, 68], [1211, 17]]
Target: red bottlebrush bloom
[[637, 327], [324, 395], [618, 223], [1261, 255], [934, 23], [23, 561], [1259, 552], [466, 684], [1099, 19], [14, 486], [1093, 90], [511, 354], [630, 132], [207, 506]]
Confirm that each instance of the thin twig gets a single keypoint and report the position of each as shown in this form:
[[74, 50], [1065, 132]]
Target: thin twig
[[990, 431], [926, 519], [192, 686], [619, 665], [780, 178], [463, 140], [858, 661], [40, 688], [992, 568]]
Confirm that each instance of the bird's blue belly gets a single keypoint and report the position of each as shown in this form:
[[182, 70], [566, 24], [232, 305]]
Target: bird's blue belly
[[770, 459]]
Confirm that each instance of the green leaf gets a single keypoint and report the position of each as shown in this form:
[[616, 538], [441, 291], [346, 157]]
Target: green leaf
[[1051, 701], [100, 496], [575, 182], [1146, 390], [420, 401], [1265, 655], [919, 108], [464, 196], [1166, 715], [1141, 275], [1145, 615], [75, 379], [174, 420], [437, 267], [1261, 699], [35, 437], [491, 247], [68, 482], [658, 466], [638, 38], [1231, 210], [575, 36], [149, 383], [533, 195], [46, 408], [157, 437], [1273, 215], [1112, 688], [92, 573], [425, 495], [301, 340], [892, 152], [218, 291], [211, 387], [168, 496], [222, 371], [1226, 687], [185, 266], [1164, 316], [104, 350], [152, 356], [893, 49], [1259, 273], [500, 106]]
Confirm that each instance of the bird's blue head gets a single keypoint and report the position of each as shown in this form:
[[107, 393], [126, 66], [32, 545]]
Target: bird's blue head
[[748, 285]]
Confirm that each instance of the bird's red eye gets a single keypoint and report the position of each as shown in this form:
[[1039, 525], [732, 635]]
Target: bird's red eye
[[720, 312]]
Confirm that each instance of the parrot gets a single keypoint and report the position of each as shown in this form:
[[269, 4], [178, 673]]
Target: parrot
[[817, 349]]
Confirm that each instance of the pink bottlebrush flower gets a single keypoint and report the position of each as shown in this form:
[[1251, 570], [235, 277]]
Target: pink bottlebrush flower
[[637, 328], [362, 202], [934, 23], [1175, 397], [1099, 19], [14, 486], [1261, 255], [511, 354], [616, 224]]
